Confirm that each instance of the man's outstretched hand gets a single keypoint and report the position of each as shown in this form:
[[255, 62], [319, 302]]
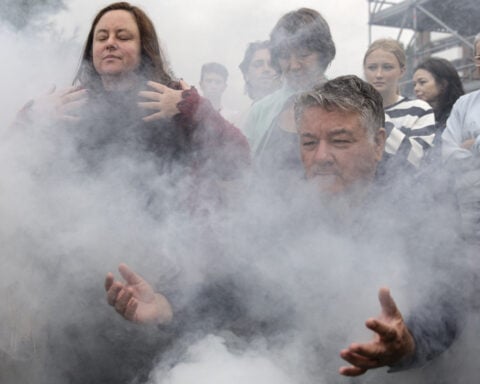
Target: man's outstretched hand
[[392, 341]]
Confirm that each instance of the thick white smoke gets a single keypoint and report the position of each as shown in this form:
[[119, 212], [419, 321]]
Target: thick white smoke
[[204, 358], [64, 225]]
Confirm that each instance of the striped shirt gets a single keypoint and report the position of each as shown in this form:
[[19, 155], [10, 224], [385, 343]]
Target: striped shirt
[[410, 126]]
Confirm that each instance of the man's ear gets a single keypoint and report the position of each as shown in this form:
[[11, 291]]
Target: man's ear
[[380, 138]]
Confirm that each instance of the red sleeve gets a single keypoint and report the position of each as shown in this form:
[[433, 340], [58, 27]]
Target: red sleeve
[[218, 144]]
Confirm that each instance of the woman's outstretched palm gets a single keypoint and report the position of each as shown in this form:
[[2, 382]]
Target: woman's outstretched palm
[[135, 298]]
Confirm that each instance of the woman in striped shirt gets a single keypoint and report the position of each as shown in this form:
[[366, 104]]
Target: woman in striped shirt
[[410, 123]]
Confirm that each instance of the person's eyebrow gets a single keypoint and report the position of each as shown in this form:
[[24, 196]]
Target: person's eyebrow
[[340, 131], [308, 135], [116, 31]]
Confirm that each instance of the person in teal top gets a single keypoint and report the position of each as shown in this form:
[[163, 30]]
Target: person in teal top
[[302, 48]]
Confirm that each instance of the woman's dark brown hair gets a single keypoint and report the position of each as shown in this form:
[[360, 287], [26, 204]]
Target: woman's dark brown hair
[[153, 65]]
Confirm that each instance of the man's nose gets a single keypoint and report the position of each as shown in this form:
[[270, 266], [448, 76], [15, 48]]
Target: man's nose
[[323, 153]]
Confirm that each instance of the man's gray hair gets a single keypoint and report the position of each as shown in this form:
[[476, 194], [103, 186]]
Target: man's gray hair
[[348, 94]]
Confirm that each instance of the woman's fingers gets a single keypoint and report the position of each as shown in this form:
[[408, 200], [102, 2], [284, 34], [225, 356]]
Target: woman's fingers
[[131, 310], [156, 96], [113, 292], [109, 279], [122, 301], [184, 85], [75, 95], [130, 276], [163, 100], [150, 105], [160, 88], [154, 116]]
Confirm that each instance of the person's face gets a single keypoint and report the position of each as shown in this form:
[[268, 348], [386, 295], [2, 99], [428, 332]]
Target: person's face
[[261, 76], [116, 44], [425, 86], [212, 85], [383, 71], [301, 68], [337, 152]]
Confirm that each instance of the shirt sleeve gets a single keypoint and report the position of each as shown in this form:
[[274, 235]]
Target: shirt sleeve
[[434, 328], [452, 137], [217, 144], [411, 141]]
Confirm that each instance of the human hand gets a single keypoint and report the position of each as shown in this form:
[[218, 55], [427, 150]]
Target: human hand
[[468, 144], [60, 105], [392, 341], [163, 100], [135, 298]]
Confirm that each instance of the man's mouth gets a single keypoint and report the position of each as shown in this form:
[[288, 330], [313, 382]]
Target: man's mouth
[[324, 172]]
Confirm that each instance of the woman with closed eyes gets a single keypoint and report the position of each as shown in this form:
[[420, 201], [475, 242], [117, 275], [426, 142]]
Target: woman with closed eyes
[[126, 100]]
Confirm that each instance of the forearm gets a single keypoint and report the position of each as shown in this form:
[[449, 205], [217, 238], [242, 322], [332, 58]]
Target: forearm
[[434, 330], [214, 140]]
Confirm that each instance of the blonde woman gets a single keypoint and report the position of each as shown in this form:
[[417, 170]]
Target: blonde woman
[[410, 123]]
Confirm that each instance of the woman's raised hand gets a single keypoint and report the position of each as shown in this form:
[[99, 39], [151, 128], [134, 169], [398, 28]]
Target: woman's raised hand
[[58, 105], [162, 100], [135, 298]]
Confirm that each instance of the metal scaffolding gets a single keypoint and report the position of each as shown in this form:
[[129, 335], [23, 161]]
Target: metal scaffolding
[[437, 25]]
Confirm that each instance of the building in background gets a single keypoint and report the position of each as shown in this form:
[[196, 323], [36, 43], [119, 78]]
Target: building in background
[[443, 28]]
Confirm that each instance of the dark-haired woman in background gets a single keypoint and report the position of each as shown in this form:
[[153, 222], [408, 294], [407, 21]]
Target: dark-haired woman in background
[[437, 82]]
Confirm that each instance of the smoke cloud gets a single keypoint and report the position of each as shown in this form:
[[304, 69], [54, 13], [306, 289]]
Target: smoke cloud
[[31, 14], [304, 282]]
